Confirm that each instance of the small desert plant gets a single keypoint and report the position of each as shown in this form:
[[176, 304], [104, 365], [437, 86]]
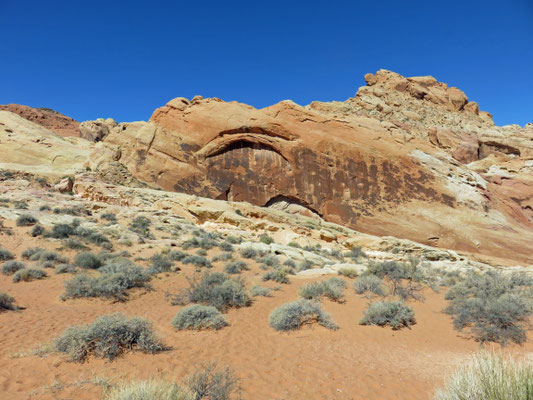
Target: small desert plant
[[87, 260], [5, 255], [369, 285], [269, 260], [333, 289], [21, 205], [264, 238], [278, 275], [7, 303], [258, 290], [148, 390], [291, 316], [355, 253], [235, 267], [211, 383], [159, 263], [65, 268], [141, 226], [37, 230], [29, 274], [223, 257], [176, 255], [12, 266], [393, 313], [218, 290], [234, 239], [109, 217], [495, 307], [226, 246], [26, 220], [198, 317], [249, 252], [115, 279], [490, 376], [29, 252], [199, 261], [348, 272], [108, 337]]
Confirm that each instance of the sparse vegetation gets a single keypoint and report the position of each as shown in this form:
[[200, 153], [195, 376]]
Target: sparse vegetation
[[278, 275], [292, 316], [248, 252], [141, 226], [5, 255], [393, 313], [369, 285], [28, 274], [159, 263], [215, 289], [332, 288], [493, 306], [7, 303], [12, 266], [108, 337], [176, 255], [109, 217], [198, 317], [37, 230], [26, 220], [65, 268], [113, 282], [348, 272], [490, 376], [87, 260], [258, 290], [199, 261], [235, 267], [264, 238]]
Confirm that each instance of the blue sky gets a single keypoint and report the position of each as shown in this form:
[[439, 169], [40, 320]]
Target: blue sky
[[96, 58]]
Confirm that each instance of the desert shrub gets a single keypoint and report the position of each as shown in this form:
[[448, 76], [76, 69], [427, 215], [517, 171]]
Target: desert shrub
[[5, 255], [211, 383], [109, 217], [235, 267], [37, 230], [336, 253], [47, 264], [269, 260], [199, 261], [201, 252], [65, 268], [20, 205], [29, 274], [226, 246], [49, 255], [295, 245], [258, 290], [115, 279], [26, 220], [12, 266], [348, 272], [490, 376], [264, 238], [223, 257], [289, 263], [333, 289], [60, 231], [393, 313], [218, 290], [205, 242], [108, 337], [74, 211], [369, 285], [198, 317], [148, 390], [92, 236], [278, 275], [176, 255], [87, 260], [292, 316], [159, 263], [29, 252], [248, 252], [141, 226], [234, 239], [304, 265], [45, 207], [7, 303], [493, 306], [75, 244], [355, 253]]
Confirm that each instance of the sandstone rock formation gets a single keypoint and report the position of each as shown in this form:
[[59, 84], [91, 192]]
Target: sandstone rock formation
[[406, 157], [47, 118]]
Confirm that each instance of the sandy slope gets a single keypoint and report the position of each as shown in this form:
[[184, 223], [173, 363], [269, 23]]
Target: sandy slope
[[355, 362]]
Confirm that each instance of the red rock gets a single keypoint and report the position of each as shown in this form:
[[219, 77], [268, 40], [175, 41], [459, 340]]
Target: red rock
[[50, 119]]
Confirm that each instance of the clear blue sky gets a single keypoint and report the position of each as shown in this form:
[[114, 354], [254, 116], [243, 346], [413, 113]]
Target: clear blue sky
[[90, 59]]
